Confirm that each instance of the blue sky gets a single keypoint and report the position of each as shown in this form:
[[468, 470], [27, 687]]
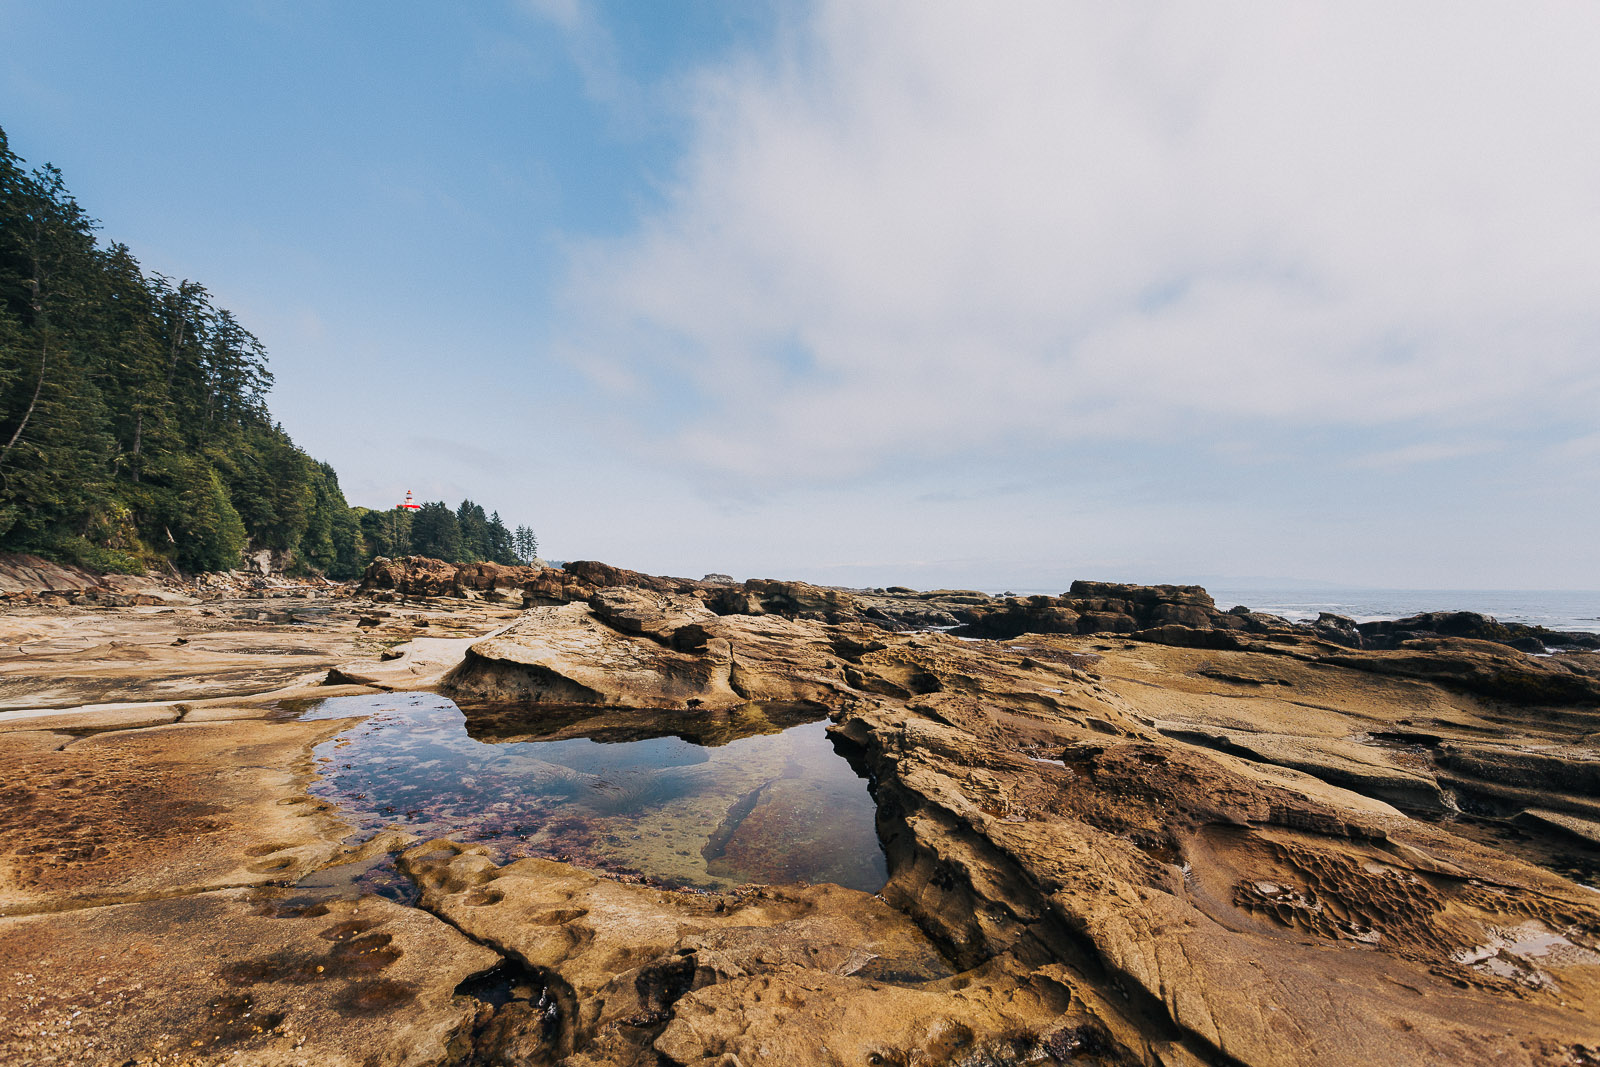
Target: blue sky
[[891, 292]]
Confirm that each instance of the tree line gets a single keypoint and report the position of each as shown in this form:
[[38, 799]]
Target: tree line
[[465, 535], [134, 429]]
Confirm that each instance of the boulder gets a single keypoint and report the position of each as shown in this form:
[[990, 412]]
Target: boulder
[[1015, 617], [1390, 633], [655, 615], [1340, 629], [797, 598], [410, 576], [1142, 594], [491, 577], [1096, 622]]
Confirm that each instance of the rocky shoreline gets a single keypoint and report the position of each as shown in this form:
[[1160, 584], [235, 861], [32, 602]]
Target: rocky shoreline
[[1121, 825]]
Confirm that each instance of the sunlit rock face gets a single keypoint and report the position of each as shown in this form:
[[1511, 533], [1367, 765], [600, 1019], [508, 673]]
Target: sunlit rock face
[[1206, 834], [631, 833]]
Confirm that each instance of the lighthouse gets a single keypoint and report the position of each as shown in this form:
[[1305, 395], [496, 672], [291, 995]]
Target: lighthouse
[[410, 504]]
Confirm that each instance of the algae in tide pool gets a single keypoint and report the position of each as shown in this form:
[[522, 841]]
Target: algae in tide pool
[[752, 806]]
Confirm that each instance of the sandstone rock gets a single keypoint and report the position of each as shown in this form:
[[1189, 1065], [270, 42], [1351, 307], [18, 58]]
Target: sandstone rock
[[1480, 667], [1586, 830], [1182, 614], [596, 575], [24, 573], [1097, 622], [1183, 847], [1344, 763], [569, 655], [965, 843], [1014, 617], [796, 976], [1340, 629], [411, 576], [249, 976], [1576, 770], [132, 812], [1442, 623], [976, 831], [655, 615], [491, 577], [795, 598], [1142, 594], [421, 663], [735, 601]]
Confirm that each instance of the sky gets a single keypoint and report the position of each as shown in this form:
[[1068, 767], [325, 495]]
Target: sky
[[921, 293]]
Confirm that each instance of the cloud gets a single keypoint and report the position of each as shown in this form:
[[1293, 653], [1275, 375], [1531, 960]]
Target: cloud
[[567, 14], [592, 50], [1424, 452], [922, 229], [1582, 451]]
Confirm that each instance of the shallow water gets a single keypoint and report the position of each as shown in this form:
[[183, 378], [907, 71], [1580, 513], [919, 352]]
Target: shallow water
[[692, 800]]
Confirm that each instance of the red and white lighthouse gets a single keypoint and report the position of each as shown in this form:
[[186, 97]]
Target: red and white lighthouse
[[410, 504]]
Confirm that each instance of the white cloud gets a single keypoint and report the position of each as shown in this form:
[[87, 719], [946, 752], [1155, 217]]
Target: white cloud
[[1424, 452], [591, 48], [926, 226], [567, 14]]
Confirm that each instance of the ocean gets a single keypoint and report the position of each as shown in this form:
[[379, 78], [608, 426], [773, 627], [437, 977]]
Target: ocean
[[1554, 609]]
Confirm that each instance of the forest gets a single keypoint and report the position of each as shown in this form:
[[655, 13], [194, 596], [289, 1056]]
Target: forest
[[134, 429]]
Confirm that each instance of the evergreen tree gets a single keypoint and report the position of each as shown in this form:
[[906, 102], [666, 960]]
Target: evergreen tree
[[435, 532], [473, 525], [199, 519], [498, 539], [524, 545], [126, 399], [384, 533], [332, 540], [134, 427]]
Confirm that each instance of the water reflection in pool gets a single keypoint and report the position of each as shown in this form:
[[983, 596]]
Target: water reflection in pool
[[692, 799]]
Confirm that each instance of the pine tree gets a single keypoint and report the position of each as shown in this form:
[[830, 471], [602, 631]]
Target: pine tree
[[435, 532], [524, 545], [473, 525], [383, 533], [134, 425], [499, 541]]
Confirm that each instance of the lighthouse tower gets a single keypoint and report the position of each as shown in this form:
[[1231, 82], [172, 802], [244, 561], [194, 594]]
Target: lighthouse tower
[[410, 504]]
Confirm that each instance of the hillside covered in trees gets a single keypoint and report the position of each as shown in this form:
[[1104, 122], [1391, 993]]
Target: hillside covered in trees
[[134, 429]]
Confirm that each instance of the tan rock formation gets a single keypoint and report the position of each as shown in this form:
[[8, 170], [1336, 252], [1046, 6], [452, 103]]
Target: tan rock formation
[[1216, 840], [1214, 865], [771, 976], [238, 976]]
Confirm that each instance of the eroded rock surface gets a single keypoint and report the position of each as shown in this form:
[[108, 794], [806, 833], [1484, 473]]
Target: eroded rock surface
[[768, 975], [1086, 608], [133, 813], [240, 976], [1132, 829], [1214, 852], [147, 847]]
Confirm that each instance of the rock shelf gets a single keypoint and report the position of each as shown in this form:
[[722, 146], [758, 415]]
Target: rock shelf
[[1191, 837]]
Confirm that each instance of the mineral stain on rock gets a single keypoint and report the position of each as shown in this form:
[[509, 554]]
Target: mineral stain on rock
[[232, 1018]]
